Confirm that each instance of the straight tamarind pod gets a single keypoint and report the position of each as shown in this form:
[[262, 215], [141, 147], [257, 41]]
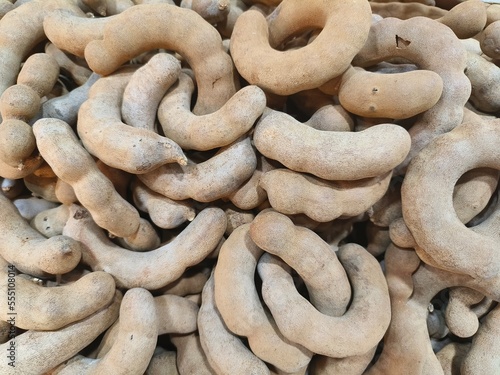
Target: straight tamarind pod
[[208, 181], [331, 155], [171, 28], [151, 269], [51, 308], [100, 120], [190, 356]]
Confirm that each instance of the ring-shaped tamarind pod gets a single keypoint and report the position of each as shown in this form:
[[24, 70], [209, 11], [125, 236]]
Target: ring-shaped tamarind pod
[[51, 308], [457, 248], [141, 100], [172, 28], [134, 342], [29, 251], [151, 269], [37, 348], [236, 296], [292, 193], [255, 38], [208, 181], [331, 155], [99, 121], [225, 352], [412, 39], [354, 333], [394, 96], [213, 130]]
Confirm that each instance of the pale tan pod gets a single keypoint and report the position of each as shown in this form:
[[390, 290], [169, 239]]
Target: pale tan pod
[[354, 333], [484, 76], [460, 317], [190, 356], [52, 221], [146, 88], [51, 308], [490, 40], [466, 19], [99, 120], [213, 11], [109, 7], [71, 32], [162, 362], [236, 295], [331, 155], [134, 344], [395, 96], [173, 27], [451, 356], [225, 352], [30, 207], [207, 181], [30, 251], [191, 282], [78, 73], [37, 348], [151, 269], [292, 193], [217, 129], [164, 212]]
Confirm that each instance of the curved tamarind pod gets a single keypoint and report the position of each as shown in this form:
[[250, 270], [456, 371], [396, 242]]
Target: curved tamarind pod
[[71, 32], [134, 343], [140, 100], [164, 212], [306, 253], [70, 162], [37, 348], [151, 269], [236, 296], [460, 318], [457, 247], [217, 129], [395, 96], [50, 308], [173, 30], [485, 341], [65, 107], [213, 11], [292, 193], [225, 353], [337, 155], [29, 251], [162, 362], [255, 38], [99, 121], [52, 221], [490, 40], [354, 333], [21, 30], [484, 76], [466, 19], [190, 356], [451, 356], [108, 7], [78, 73], [208, 181], [404, 11], [414, 37]]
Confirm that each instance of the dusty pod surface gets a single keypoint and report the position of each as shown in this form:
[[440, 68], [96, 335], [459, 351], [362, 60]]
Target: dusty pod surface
[[274, 186]]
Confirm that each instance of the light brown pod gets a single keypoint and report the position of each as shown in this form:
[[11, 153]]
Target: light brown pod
[[151, 269], [331, 155], [99, 121], [254, 41], [174, 30], [220, 128], [208, 181]]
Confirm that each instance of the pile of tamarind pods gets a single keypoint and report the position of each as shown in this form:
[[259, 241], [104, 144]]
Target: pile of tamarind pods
[[249, 187]]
